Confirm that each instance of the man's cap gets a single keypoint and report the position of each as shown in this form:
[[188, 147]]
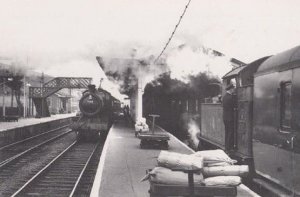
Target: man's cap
[[229, 86]]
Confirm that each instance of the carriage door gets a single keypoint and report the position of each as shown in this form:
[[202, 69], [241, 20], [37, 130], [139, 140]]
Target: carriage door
[[244, 121], [294, 141]]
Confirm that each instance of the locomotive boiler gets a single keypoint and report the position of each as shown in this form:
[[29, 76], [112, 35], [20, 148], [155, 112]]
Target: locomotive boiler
[[96, 114]]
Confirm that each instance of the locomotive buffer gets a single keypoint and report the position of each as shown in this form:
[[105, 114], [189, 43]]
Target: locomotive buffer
[[152, 139]]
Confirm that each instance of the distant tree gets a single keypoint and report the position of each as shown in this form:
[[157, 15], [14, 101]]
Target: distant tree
[[200, 86], [15, 86], [203, 85]]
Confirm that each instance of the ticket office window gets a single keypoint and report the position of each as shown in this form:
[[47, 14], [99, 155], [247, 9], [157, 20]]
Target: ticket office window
[[285, 105]]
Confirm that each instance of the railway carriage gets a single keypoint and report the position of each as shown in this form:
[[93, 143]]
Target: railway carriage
[[267, 120], [276, 121]]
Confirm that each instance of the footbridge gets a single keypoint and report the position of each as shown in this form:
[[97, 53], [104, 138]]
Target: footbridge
[[40, 94]]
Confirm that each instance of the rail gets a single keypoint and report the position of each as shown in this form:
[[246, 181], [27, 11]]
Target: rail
[[33, 137], [56, 165], [19, 155]]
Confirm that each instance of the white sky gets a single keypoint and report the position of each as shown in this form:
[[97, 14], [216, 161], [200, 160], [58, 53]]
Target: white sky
[[62, 37]]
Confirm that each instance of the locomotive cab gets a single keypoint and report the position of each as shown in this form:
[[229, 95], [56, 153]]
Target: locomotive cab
[[243, 79], [212, 126]]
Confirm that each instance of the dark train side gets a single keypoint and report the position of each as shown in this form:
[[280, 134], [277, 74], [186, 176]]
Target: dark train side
[[98, 110], [267, 119]]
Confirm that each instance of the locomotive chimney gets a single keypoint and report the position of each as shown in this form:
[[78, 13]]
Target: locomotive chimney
[[92, 88]]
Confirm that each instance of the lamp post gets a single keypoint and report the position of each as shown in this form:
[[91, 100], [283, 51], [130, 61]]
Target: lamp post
[[101, 80], [25, 85]]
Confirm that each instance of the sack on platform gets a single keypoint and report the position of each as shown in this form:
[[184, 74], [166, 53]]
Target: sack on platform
[[222, 181], [179, 161], [163, 175], [233, 170], [215, 157]]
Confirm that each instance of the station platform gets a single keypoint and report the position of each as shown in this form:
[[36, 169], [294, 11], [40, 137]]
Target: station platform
[[11, 132], [123, 164], [23, 122]]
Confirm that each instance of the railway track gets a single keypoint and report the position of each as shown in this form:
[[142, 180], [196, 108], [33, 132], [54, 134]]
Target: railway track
[[63, 175], [19, 168], [27, 160], [14, 151], [85, 184], [35, 137]]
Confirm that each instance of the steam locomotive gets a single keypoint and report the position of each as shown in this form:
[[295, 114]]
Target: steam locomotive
[[267, 120], [97, 108]]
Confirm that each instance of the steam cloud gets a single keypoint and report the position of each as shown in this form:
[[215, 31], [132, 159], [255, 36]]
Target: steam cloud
[[131, 64], [185, 60], [181, 62], [127, 72]]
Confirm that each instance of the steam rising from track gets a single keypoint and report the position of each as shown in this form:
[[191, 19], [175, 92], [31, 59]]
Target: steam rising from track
[[193, 130]]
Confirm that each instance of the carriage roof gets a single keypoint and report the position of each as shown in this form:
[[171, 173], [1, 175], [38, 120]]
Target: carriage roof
[[282, 61]]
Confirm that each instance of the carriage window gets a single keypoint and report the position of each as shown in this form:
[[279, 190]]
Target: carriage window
[[285, 111]]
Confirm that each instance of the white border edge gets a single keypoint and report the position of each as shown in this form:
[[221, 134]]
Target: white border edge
[[98, 177]]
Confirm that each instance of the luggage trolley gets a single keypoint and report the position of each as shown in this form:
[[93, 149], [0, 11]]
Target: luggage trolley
[[163, 190], [152, 139]]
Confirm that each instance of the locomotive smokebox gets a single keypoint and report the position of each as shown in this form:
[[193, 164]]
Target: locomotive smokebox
[[90, 104], [92, 88]]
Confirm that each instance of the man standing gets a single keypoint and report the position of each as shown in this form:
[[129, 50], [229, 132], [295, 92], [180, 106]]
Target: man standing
[[228, 117]]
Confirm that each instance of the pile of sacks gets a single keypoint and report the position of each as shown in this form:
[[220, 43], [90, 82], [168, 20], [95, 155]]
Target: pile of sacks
[[141, 125], [215, 167]]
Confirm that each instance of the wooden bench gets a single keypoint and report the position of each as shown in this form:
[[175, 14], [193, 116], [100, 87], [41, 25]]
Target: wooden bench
[[9, 118]]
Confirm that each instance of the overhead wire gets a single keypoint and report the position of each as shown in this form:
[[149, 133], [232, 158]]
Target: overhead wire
[[170, 38]]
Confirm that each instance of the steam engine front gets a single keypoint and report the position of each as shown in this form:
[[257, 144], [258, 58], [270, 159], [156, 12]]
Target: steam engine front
[[96, 117]]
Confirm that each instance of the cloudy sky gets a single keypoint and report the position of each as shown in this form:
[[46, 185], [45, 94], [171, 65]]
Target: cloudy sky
[[62, 37]]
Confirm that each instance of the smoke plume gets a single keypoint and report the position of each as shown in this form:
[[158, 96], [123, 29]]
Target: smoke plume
[[184, 61], [127, 72]]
